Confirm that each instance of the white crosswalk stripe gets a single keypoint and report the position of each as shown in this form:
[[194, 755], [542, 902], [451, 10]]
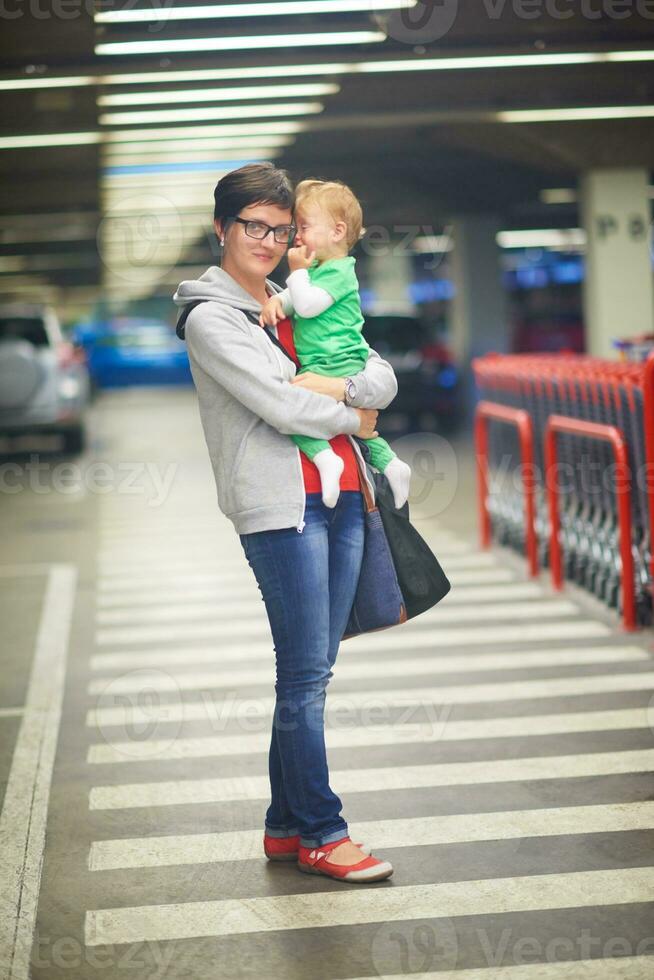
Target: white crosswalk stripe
[[382, 779], [440, 729], [243, 845], [468, 558], [262, 672], [115, 564], [612, 967], [134, 714], [581, 889], [245, 604], [526, 611], [171, 613], [357, 660], [209, 588]]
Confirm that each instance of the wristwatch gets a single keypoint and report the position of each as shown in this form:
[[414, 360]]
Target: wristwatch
[[350, 391]]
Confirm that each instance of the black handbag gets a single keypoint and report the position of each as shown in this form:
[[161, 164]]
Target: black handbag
[[398, 555]]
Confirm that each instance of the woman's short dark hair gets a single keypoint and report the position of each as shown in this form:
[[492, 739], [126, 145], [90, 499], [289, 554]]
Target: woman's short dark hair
[[255, 183]]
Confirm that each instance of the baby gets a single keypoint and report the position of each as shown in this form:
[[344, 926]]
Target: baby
[[323, 294]]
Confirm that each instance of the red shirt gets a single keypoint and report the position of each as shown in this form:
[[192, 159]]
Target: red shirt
[[340, 444]]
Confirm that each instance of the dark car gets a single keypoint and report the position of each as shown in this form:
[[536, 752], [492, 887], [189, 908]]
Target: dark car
[[428, 380]]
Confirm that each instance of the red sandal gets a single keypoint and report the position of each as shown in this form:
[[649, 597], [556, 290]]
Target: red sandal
[[313, 860], [286, 848]]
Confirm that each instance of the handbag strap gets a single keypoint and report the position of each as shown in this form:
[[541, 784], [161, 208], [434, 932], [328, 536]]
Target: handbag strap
[[253, 317], [369, 503]]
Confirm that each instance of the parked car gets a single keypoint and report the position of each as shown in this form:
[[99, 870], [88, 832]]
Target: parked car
[[134, 351], [428, 380], [44, 380]]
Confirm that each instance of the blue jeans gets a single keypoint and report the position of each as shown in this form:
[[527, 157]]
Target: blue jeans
[[308, 581]]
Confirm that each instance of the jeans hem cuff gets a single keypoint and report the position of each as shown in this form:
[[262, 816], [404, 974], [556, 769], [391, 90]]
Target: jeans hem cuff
[[276, 832], [323, 838]]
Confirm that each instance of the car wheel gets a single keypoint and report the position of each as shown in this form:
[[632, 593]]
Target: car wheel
[[74, 439]]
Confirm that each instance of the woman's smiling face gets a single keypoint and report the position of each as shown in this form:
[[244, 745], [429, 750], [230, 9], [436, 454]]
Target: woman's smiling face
[[256, 257]]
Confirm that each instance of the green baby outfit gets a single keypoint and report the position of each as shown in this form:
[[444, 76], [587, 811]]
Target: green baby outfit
[[332, 344]]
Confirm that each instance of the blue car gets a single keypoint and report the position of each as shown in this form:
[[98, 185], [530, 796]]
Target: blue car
[[130, 351]]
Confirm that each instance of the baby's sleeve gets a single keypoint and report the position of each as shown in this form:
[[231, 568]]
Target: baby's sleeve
[[308, 299]]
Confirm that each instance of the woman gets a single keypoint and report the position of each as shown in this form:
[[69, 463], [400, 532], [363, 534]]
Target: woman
[[306, 557]]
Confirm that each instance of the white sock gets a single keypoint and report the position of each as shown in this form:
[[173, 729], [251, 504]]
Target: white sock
[[398, 474], [330, 466]]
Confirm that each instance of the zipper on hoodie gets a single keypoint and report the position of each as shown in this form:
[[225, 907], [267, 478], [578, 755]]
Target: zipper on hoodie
[[300, 527]]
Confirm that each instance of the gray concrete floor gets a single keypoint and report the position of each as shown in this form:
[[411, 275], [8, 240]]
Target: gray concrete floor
[[519, 817]]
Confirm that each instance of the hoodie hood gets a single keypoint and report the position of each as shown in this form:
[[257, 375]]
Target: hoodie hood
[[215, 284]]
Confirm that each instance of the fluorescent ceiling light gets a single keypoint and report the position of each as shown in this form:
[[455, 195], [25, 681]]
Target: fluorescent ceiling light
[[219, 94], [473, 63], [542, 237], [48, 139], [574, 114], [558, 195], [58, 81], [125, 181], [567, 195], [629, 55], [187, 156], [218, 112], [198, 149], [433, 243], [231, 129], [182, 166], [222, 74], [250, 42], [260, 9]]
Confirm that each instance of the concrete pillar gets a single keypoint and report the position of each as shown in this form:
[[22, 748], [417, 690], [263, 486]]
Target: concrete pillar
[[389, 276], [618, 291], [479, 320]]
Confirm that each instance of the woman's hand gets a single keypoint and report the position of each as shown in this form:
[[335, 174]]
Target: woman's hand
[[368, 417], [334, 387], [271, 311]]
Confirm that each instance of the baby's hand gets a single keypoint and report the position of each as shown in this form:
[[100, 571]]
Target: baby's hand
[[299, 258], [271, 312]]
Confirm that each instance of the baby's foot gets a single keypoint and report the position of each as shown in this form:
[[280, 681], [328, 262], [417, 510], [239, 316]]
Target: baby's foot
[[398, 474], [330, 466]]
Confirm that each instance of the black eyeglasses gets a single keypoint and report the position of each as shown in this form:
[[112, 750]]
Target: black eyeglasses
[[283, 234]]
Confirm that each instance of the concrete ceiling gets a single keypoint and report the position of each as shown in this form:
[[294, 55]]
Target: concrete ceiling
[[417, 146]]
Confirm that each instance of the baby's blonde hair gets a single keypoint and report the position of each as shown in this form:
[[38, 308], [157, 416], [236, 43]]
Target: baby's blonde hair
[[336, 198]]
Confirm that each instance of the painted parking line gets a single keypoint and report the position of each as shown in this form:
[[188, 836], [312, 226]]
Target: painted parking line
[[261, 671], [181, 609], [470, 559], [459, 828], [261, 652], [526, 611], [209, 588], [218, 710], [25, 806], [494, 896], [381, 779], [609, 968], [440, 730]]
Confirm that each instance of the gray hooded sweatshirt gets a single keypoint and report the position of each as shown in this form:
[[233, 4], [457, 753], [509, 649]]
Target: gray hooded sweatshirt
[[248, 407]]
